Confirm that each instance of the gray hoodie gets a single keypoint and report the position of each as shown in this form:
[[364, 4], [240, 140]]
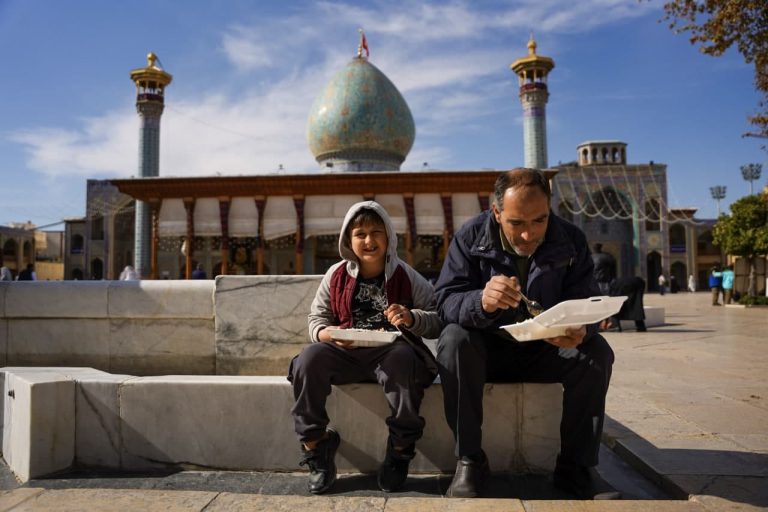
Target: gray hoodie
[[425, 320]]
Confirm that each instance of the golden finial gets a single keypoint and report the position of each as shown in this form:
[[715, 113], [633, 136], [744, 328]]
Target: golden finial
[[363, 45], [151, 59], [531, 45]]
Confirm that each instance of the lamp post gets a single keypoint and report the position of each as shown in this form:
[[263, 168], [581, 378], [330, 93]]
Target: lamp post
[[751, 172], [718, 193]]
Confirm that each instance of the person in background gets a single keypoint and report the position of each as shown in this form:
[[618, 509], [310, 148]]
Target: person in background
[[28, 274], [662, 283], [715, 284], [632, 309], [199, 272], [691, 283], [5, 274], [129, 274], [605, 268], [727, 283]]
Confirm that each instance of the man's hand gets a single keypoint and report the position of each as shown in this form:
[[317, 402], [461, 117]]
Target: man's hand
[[501, 292], [574, 336]]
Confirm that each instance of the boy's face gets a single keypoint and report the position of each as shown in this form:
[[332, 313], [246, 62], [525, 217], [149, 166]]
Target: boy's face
[[369, 242]]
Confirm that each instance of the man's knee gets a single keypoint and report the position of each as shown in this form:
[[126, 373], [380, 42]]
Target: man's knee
[[600, 351], [452, 337]]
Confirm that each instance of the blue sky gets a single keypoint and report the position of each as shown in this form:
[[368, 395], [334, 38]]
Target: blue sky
[[245, 74]]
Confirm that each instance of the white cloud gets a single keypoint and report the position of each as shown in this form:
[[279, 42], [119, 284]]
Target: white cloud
[[452, 82]]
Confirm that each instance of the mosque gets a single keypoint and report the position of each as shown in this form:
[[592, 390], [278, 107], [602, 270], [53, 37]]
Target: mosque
[[360, 130]]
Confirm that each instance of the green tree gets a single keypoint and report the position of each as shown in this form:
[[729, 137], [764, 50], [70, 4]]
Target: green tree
[[745, 232], [719, 24]]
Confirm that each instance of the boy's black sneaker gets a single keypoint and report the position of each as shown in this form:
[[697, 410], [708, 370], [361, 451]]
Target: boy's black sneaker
[[322, 466], [394, 470]]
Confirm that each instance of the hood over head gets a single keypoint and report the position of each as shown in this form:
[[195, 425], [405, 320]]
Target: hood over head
[[345, 247]]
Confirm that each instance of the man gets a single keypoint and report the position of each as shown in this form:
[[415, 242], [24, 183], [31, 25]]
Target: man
[[520, 245]]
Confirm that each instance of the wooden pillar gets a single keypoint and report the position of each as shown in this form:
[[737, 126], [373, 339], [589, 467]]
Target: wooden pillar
[[410, 235], [447, 200], [482, 197], [261, 203], [189, 206], [224, 203], [154, 206], [298, 202]]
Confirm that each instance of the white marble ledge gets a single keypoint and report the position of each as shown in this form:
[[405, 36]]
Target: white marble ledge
[[56, 299]]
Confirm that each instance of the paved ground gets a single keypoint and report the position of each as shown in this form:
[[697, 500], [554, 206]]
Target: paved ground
[[687, 427]]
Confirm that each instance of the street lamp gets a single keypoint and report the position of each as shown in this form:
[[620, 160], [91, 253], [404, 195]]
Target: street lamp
[[751, 172], [718, 193]]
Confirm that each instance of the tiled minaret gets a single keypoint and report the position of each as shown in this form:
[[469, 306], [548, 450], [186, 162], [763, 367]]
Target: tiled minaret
[[151, 82], [532, 72]]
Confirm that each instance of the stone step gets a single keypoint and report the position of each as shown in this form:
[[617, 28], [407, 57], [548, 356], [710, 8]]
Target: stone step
[[56, 417]]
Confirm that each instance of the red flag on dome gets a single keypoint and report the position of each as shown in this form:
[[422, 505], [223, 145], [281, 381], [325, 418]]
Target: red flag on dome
[[363, 45]]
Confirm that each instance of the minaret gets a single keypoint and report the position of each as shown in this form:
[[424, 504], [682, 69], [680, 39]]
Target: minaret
[[151, 82], [532, 72]]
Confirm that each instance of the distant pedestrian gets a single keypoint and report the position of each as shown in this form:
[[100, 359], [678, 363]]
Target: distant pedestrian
[[727, 284], [662, 283], [604, 269], [691, 283], [5, 274], [715, 284], [28, 274], [199, 272], [129, 274]]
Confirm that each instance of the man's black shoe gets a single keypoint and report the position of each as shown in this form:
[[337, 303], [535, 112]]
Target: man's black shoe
[[322, 466], [470, 476], [583, 483], [394, 470]]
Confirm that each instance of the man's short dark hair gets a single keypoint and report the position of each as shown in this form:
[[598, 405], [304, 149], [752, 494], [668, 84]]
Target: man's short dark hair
[[520, 177]]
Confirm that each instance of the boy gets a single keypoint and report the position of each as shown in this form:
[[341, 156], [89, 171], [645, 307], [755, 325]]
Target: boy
[[371, 288]]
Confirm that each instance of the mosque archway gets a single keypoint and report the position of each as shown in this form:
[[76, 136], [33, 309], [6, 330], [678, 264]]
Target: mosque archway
[[97, 269], [9, 254], [679, 272], [653, 266]]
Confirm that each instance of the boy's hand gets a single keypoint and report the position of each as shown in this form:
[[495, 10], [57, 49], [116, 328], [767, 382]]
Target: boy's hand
[[572, 338], [399, 315], [325, 337]]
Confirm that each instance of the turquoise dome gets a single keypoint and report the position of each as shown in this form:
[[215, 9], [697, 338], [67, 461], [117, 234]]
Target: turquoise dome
[[360, 122]]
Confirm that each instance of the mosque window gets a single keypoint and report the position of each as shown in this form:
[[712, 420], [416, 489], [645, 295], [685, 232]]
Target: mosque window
[[76, 245], [652, 215], [9, 249]]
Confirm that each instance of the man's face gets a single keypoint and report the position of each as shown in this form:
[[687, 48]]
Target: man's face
[[523, 218], [369, 242]]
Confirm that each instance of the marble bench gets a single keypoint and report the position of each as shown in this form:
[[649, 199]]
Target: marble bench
[[55, 418]]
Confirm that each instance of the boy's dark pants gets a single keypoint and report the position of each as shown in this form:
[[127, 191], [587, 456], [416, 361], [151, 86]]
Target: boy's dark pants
[[468, 358], [395, 366]]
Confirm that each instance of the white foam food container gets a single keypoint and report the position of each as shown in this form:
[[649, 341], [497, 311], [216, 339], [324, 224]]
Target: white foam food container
[[569, 313], [364, 337]]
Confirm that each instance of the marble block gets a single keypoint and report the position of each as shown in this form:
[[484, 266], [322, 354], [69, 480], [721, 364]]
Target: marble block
[[654, 317], [57, 299], [98, 433], [161, 346], [38, 423], [161, 299], [4, 285], [254, 314], [58, 342], [245, 423], [3, 341]]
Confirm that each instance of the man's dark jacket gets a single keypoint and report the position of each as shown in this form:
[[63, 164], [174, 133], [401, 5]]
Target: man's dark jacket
[[560, 269]]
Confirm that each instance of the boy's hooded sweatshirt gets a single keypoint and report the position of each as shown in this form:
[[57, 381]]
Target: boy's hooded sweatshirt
[[403, 285]]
